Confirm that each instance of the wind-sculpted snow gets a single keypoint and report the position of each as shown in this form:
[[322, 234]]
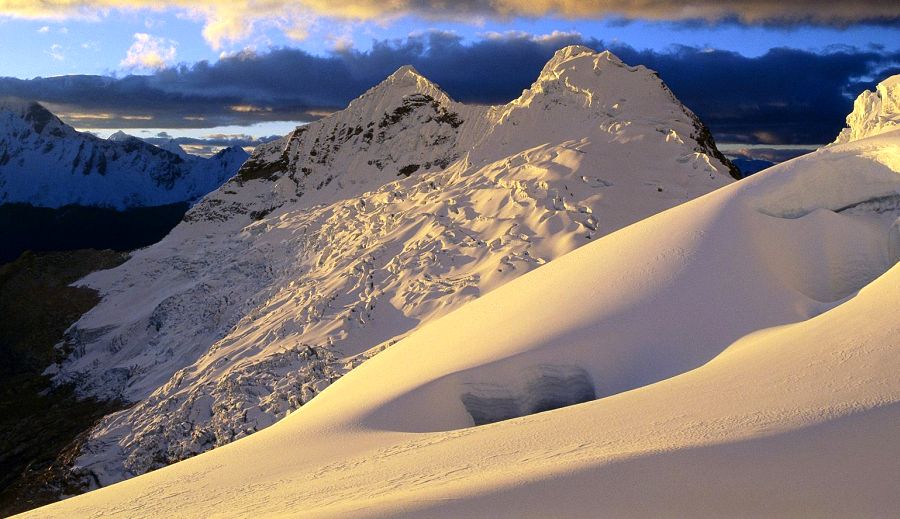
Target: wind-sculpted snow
[[874, 112], [46, 163], [352, 232]]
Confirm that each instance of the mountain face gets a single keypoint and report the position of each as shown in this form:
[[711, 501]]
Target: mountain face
[[46, 163], [751, 328], [873, 112], [343, 237]]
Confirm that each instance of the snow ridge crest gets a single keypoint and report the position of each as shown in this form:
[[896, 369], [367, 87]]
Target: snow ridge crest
[[873, 112]]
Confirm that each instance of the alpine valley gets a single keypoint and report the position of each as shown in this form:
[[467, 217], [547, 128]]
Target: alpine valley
[[61, 189]]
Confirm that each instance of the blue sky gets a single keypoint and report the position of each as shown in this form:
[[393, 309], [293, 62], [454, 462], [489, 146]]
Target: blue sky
[[193, 69]]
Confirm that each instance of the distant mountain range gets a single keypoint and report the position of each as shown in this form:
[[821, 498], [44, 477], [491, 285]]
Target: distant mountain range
[[63, 189], [47, 163]]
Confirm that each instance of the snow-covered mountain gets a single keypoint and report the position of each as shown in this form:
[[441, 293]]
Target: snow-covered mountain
[[734, 355], [168, 144], [874, 112], [47, 163], [340, 239]]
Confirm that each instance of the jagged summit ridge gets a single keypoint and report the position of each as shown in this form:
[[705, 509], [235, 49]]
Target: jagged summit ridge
[[579, 91], [873, 112], [574, 51], [404, 125], [403, 82], [582, 90]]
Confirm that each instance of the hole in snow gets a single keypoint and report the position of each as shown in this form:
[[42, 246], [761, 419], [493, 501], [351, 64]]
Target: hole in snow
[[541, 389]]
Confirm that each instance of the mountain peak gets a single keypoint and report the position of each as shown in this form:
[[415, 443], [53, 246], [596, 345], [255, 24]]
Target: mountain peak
[[232, 150], [15, 104], [32, 112], [119, 136], [600, 80], [873, 112], [406, 81], [580, 88], [565, 55], [406, 71]]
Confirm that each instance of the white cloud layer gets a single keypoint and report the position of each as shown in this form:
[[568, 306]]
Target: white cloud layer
[[149, 53]]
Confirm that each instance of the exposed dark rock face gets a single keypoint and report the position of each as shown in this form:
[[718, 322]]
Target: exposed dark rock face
[[39, 117], [708, 145]]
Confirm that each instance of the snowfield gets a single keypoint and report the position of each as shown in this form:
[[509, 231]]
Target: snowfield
[[348, 234], [736, 355]]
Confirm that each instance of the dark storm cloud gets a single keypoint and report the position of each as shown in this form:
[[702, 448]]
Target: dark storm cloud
[[784, 96]]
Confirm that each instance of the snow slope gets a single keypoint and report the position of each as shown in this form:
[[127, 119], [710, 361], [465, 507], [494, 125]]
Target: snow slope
[[351, 232], [736, 355], [46, 163]]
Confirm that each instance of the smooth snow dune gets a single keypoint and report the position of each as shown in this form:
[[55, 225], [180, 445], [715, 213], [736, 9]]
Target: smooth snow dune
[[743, 349]]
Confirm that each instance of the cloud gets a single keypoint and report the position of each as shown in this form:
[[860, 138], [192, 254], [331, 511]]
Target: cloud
[[215, 139], [249, 108], [44, 30], [786, 96], [774, 155], [234, 20], [56, 52], [341, 43], [149, 53], [210, 144]]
